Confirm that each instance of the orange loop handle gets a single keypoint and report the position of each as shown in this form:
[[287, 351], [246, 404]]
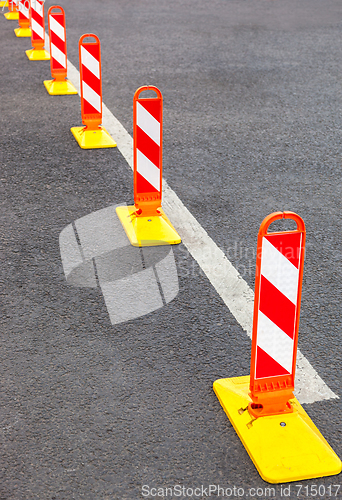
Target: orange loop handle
[[147, 87], [281, 215], [61, 10], [97, 40]]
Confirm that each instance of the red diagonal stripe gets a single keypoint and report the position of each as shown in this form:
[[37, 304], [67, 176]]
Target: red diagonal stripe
[[23, 16], [58, 42], [143, 186], [148, 147], [278, 308], [55, 40], [59, 18], [37, 17], [35, 37], [289, 244], [93, 49], [153, 106], [267, 366], [88, 109], [91, 80], [56, 64]]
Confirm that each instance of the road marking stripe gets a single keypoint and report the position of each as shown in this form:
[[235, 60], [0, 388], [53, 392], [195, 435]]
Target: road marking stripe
[[229, 284]]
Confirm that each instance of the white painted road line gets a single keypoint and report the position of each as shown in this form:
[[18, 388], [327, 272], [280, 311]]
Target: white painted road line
[[229, 284]]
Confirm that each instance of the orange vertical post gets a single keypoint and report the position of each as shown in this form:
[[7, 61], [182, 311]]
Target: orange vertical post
[[60, 85], [278, 286]]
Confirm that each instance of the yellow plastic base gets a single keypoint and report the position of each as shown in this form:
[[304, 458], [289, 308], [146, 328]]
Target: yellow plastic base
[[147, 231], [12, 16], [23, 32], [38, 55], [93, 139], [64, 87], [281, 453]]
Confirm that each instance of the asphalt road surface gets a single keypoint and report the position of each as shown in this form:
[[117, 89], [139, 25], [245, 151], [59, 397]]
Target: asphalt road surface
[[252, 124]]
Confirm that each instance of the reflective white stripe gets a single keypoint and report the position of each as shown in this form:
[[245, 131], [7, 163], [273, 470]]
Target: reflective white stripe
[[274, 342], [37, 28], [24, 9], [38, 7], [58, 55], [277, 269], [57, 28], [91, 96], [148, 124], [90, 62], [148, 170]]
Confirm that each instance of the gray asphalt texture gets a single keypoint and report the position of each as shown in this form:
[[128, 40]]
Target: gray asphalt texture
[[252, 124]]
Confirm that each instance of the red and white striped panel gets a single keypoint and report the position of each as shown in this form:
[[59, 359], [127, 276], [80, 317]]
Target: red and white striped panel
[[91, 85], [277, 308], [37, 22], [58, 48], [147, 141], [24, 12]]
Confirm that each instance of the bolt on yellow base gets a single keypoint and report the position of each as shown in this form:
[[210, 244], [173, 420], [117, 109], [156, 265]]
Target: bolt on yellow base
[[155, 230], [93, 139], [23, 32], [12, 16], [38, 55], [283, 448], [64, 87]]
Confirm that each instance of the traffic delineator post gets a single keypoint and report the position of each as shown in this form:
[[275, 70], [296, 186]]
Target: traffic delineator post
[[145, 223], [92, 135], [24, 30], [60, 85], [278, 285], [38, 52], [282, 441], [13, 13]]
